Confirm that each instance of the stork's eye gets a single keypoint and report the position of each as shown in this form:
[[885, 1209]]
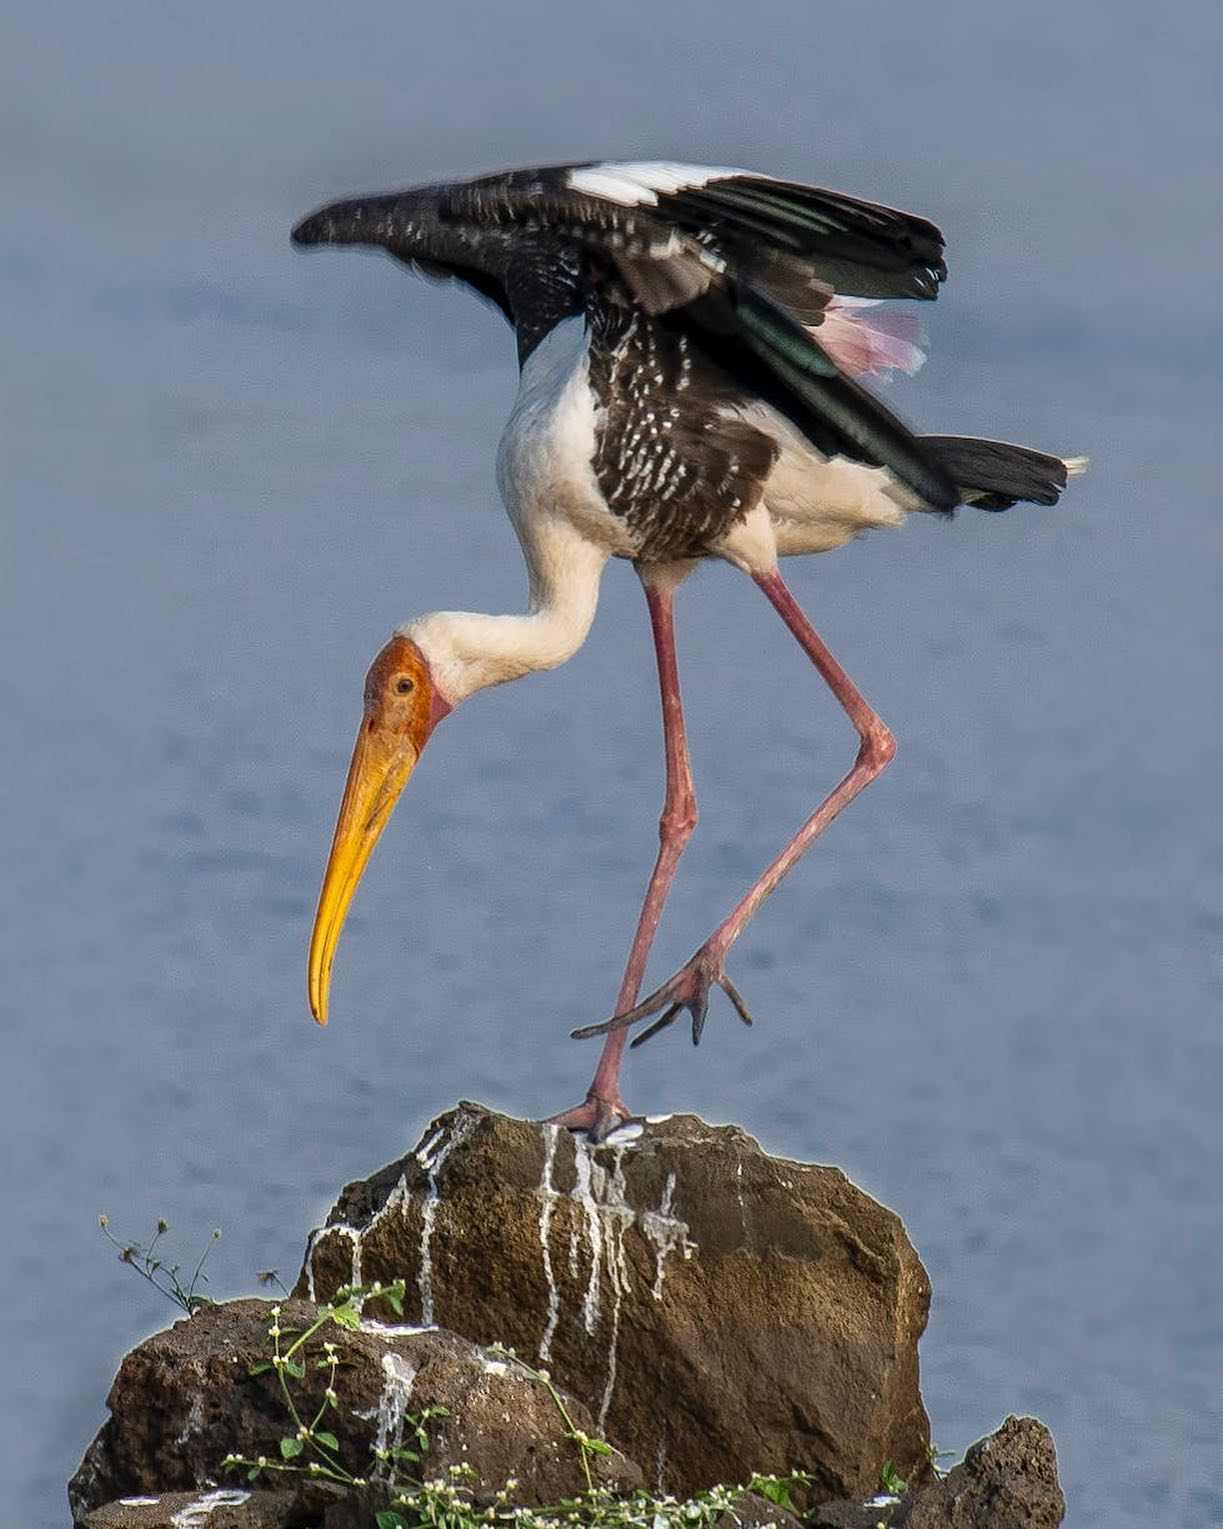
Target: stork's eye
[[404, 686]]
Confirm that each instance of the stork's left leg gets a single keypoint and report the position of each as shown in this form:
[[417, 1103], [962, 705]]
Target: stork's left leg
[[689, 988], [603, 1108]]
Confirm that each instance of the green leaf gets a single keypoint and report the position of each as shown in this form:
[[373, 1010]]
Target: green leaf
[[258, 1369], [776, 1491], [290, 1448], [387, 1518], [346, 1316], [327, 1440], [296, 1368], [596, 1447], [395, 1298], [253, 1473]]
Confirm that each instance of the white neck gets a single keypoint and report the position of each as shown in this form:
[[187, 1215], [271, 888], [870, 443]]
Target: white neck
[[467, 652]]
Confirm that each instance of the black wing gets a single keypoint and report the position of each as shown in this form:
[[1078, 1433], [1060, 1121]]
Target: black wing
[[742, 262], [780, 234]]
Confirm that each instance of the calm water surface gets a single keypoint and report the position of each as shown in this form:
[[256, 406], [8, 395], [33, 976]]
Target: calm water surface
[[992, 994]]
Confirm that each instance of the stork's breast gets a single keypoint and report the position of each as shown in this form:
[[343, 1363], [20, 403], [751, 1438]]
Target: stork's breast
[[545, 459]]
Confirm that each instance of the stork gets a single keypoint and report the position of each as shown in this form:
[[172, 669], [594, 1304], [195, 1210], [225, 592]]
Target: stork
[[689, 340]]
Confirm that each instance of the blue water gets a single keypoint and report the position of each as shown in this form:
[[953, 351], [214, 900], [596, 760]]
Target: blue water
[[991, 994]]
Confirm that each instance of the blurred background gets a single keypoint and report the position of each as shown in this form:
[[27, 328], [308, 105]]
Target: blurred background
[[991, 994]]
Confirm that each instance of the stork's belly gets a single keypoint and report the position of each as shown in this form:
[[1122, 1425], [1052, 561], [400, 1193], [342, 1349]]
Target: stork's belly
[[816, 503], [544, 460]]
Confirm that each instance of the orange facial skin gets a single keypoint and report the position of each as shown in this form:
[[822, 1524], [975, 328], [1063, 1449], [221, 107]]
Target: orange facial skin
[[402, 707]]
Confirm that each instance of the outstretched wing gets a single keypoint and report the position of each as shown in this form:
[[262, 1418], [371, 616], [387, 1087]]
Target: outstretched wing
[[742, 262], [785, 237]]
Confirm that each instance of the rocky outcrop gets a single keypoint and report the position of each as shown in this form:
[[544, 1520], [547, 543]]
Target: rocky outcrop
[[719, 1311], [711, 1311], [186, 1398], [1005, 1481], [305, 1506]]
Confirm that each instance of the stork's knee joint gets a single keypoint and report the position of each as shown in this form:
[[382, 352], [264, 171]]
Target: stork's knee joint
[[678, 821], [878, 747]]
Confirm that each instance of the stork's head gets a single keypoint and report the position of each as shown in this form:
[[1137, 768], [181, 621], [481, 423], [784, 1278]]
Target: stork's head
[[403, 705]]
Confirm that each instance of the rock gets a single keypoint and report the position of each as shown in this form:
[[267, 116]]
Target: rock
[[855, 1515], [751, 1511], [1005, 1481], [185, 1399], [718, 1310], [220, 1508]]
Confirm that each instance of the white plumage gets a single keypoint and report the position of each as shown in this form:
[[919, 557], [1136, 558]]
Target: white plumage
[[639, 184]]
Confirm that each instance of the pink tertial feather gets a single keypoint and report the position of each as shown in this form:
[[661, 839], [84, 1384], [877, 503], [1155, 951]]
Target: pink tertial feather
[[873, 346]]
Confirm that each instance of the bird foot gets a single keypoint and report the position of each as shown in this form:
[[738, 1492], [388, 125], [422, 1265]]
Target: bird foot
[[688, 989], [598, 1117]]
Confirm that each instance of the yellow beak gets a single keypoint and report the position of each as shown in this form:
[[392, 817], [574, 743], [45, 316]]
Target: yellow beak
[[400, 710]]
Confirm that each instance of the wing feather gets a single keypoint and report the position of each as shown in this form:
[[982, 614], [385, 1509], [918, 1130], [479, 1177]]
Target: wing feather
[[741, 260]]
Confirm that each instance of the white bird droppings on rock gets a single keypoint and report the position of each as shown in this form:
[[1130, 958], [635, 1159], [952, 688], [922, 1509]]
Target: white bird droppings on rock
[[548, 1195], [197, 1513], [429, 1216]]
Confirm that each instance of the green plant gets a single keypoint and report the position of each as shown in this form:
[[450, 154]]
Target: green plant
[[163, 1276], [310, 1447], [586, 1443], [891, 1481], [934, 1454], [456, 1501], [779, 1489]]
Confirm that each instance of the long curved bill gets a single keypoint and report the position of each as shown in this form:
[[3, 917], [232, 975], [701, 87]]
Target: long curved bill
[[401, 708]]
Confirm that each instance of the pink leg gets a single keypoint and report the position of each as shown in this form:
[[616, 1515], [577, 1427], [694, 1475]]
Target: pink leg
[[604, 1109], [689, 988]]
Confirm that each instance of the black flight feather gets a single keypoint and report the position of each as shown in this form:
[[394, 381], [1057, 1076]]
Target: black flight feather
[[770, 352], [994, 475]]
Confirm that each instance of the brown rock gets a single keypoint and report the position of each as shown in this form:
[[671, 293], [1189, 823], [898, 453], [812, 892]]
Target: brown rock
[[185, 1399], [301, 1507], [1005, 1481], [719, 1311]]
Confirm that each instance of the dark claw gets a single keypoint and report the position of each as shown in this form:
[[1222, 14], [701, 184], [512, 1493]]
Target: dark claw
[[700, 1008], [736, 997], [618, 1021], [662, 998], [584, 1032], [659, 1024]]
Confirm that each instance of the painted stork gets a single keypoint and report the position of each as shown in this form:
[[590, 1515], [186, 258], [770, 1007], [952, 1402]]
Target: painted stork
[[689, 340]]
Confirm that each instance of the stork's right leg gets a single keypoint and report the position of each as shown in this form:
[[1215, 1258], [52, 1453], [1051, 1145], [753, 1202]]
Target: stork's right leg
[[603, 1108], [689, 988]]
